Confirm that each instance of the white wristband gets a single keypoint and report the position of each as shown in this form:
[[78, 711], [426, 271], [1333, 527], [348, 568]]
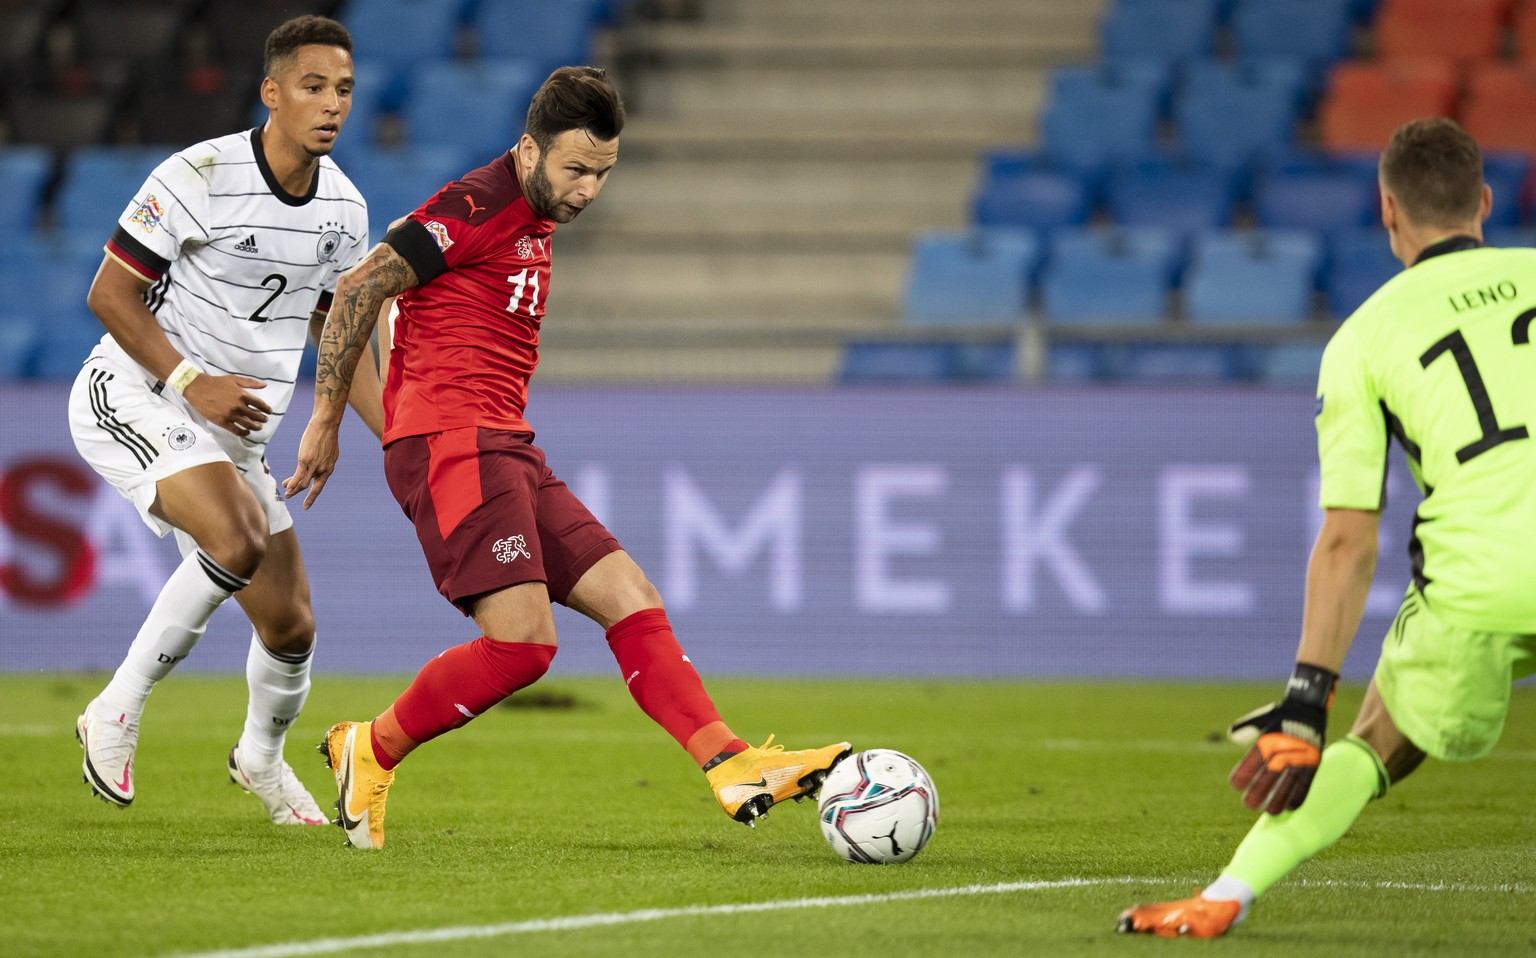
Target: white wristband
[[181, 377]]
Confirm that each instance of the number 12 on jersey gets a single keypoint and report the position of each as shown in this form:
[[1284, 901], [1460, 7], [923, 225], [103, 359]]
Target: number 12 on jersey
[[528, 278]]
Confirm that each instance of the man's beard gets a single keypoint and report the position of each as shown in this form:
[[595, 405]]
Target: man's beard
[[541, 195]]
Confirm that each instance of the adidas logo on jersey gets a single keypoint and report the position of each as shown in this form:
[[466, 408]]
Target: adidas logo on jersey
[[247, 245]]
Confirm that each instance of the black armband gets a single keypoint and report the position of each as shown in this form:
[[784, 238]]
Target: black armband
[[1310, 685], [417, 247]]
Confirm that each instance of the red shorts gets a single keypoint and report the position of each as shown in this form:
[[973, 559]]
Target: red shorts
[[490, 514]]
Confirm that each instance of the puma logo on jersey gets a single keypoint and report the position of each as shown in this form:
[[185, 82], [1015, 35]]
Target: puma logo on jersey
[[473, 209], [248, 245]]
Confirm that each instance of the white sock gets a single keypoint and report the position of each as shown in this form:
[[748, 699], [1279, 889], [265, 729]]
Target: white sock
[[279, 685], [174, 624], [1227, 888]]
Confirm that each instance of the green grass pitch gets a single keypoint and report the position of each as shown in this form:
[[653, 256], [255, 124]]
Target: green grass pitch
[[579, 828]]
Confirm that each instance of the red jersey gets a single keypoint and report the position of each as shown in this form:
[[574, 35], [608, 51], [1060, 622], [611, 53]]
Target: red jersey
[[466, 338]]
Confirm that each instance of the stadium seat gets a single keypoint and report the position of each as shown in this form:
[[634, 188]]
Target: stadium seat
[[21, 32], [1365, 103], [1231, 113], [24, 172], [1034, 200], [100, 182], [185, 109], [1181, 362], [1507, 174], [20, 338], [1172, 30], [1525, 32], [1153, 77], [1323, 199], [478, 107], [1316, 31], [1289, 78], [395, 182], [1001, 164], [1100, 125], [1497, 111], [1259, 277], [1461, 30], [63, 348], [1359, 262], [128, 33], [978, 276], [1507, 237], [1180, 196], [1068, 362], [1109, 277], [402, 34], [550, 32], [62, 121], [1291, 364], [878, 362]]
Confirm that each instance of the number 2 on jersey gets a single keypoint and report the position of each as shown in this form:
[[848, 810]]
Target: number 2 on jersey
[[1456, 344], [282, 284], [527, 277]]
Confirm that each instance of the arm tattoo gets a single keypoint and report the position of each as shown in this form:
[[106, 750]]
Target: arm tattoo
[[354, 310]]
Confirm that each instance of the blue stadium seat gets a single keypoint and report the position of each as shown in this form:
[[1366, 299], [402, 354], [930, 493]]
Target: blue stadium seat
[[1359, 262], [1172, 30], [1112, 277], [99, 183], [63, 349], [1506, 174], [1322, 200], [1181, 362], [927, 362], [1153, 77], [1259, 277], [1035, 200], [24, 172], [395, 182], [1507, 237], [1233, 112], [1099, 125], [20, 338], [1179, 195], [1068, 362], [1284, 77], [1313, 30], [479, 107], [978, 276], [399, 34], [1291, 364], [1003, 163], [551, 32]]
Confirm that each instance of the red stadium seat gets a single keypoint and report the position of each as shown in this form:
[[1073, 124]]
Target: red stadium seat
[[1365, 102], [1462, 30], [1498, 111], [1525, 32]]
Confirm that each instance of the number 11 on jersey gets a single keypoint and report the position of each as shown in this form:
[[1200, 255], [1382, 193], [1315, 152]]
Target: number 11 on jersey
[[528, 277]]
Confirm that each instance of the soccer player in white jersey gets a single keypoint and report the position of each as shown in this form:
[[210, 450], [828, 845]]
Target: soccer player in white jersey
[[218, 269]]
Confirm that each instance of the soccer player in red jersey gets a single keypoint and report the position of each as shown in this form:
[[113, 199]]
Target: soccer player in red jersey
[[503, 537]]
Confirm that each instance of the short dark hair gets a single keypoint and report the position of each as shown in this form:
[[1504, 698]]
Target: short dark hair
[[575, 98], [302, 31], [1435, 170]]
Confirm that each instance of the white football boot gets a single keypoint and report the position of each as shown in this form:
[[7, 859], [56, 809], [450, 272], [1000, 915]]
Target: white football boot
[[109, 744], [288, 802]]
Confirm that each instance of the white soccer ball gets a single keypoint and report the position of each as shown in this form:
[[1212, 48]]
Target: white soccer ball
[[878, 807]]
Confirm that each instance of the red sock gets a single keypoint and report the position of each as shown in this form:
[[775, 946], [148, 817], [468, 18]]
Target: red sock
[[667, 687], [458, 685]]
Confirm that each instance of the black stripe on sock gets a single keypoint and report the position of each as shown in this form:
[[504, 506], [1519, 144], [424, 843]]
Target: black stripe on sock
[[221, 576], [293, 658]]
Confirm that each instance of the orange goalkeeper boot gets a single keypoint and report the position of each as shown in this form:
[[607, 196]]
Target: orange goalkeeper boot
[[1190, 918]]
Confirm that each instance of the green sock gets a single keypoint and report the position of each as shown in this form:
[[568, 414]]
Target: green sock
[[1349, 775]]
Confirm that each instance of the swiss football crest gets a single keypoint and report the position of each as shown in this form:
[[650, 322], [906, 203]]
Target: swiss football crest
[[524, 247], [510, 548]]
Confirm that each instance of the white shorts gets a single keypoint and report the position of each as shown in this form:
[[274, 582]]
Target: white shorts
[[134, 437]]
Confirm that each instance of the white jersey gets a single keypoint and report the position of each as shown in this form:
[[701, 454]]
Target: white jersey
[[236, 264]]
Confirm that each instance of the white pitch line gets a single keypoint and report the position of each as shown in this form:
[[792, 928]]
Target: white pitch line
[[323, 946]]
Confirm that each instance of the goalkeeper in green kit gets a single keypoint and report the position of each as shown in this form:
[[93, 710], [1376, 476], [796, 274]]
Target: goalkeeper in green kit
[[1441, 359]]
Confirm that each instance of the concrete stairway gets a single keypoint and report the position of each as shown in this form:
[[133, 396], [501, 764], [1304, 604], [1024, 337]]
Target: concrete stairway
[[779, 157]]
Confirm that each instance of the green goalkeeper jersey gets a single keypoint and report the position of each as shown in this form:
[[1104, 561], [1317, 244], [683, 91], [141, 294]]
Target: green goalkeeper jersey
[[1441, 358]]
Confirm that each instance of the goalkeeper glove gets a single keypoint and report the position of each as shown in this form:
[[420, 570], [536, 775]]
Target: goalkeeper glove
[[1286, 740]]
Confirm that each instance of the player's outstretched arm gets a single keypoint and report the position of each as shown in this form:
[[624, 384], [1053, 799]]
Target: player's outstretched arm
[[116, 298], [360, 292], [1287, 737]]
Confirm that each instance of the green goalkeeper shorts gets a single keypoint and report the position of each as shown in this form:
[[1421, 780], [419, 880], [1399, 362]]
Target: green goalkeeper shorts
[[1446, 687]]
